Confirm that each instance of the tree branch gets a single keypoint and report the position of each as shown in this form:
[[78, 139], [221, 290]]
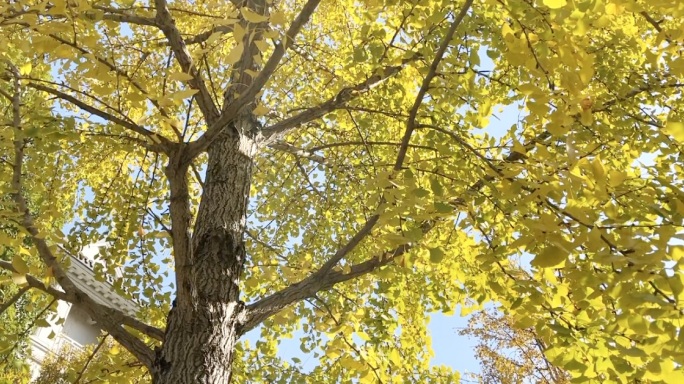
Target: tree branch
[[432, 71], [112, 14], [231, 109], [90, 358], [34, 282], [14, 298], [204, 36], [181, 218], [159, 143], [652, 21], [122, 16], [167, 24], [119, 72], [323, 279], [298, 152], [278, 130], [314, 283]]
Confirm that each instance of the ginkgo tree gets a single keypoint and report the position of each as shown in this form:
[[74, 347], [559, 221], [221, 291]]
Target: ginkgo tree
[[330, 168], [507, 354]]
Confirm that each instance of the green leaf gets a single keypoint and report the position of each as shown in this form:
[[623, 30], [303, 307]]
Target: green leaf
[[19, 264], [443, 207], [436, 255], [421, 192], [436, 187]]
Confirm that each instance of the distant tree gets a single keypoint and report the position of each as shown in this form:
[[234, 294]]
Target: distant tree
[[15, 320], [509, 355], [342, 168], [91, 364]]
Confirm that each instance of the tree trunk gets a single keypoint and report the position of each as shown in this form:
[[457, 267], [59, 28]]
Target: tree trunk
[[203, 326]]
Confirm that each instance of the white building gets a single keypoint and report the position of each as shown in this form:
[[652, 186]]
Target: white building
[[71, 325]]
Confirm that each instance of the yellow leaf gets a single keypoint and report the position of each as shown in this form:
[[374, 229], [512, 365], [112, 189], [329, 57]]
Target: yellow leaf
[[506, 30], [184, 94], [613, 9], [363, 335], [260, 110], [238, 32], [519, 148], [395, 357], [63, 52], [252, 16], [528, 88], [165, 101], [395, 239], [115, 349], [368, 377], [261, 45], [597, 168], [552, 256], [677, 252], [180, 76], [278, 18], [586, 74], [25, 69], [676, 130], [213, 37], [332, 354], [616, 178], [235, 54], [19, 264], [555, 4], [19, 279]]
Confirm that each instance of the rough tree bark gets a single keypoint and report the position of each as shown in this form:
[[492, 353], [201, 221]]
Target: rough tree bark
[[204, 325]]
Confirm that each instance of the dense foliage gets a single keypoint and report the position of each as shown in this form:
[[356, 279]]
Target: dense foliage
[[382, 160], [102, 362]]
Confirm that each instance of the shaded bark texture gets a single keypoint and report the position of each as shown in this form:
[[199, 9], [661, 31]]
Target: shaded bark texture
[[204, 324]]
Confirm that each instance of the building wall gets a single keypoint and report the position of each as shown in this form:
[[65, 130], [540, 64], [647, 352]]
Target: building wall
[[71, 325], [80, 328]]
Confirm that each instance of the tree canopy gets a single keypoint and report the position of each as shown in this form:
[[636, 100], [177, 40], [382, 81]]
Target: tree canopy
[[338, 169]]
